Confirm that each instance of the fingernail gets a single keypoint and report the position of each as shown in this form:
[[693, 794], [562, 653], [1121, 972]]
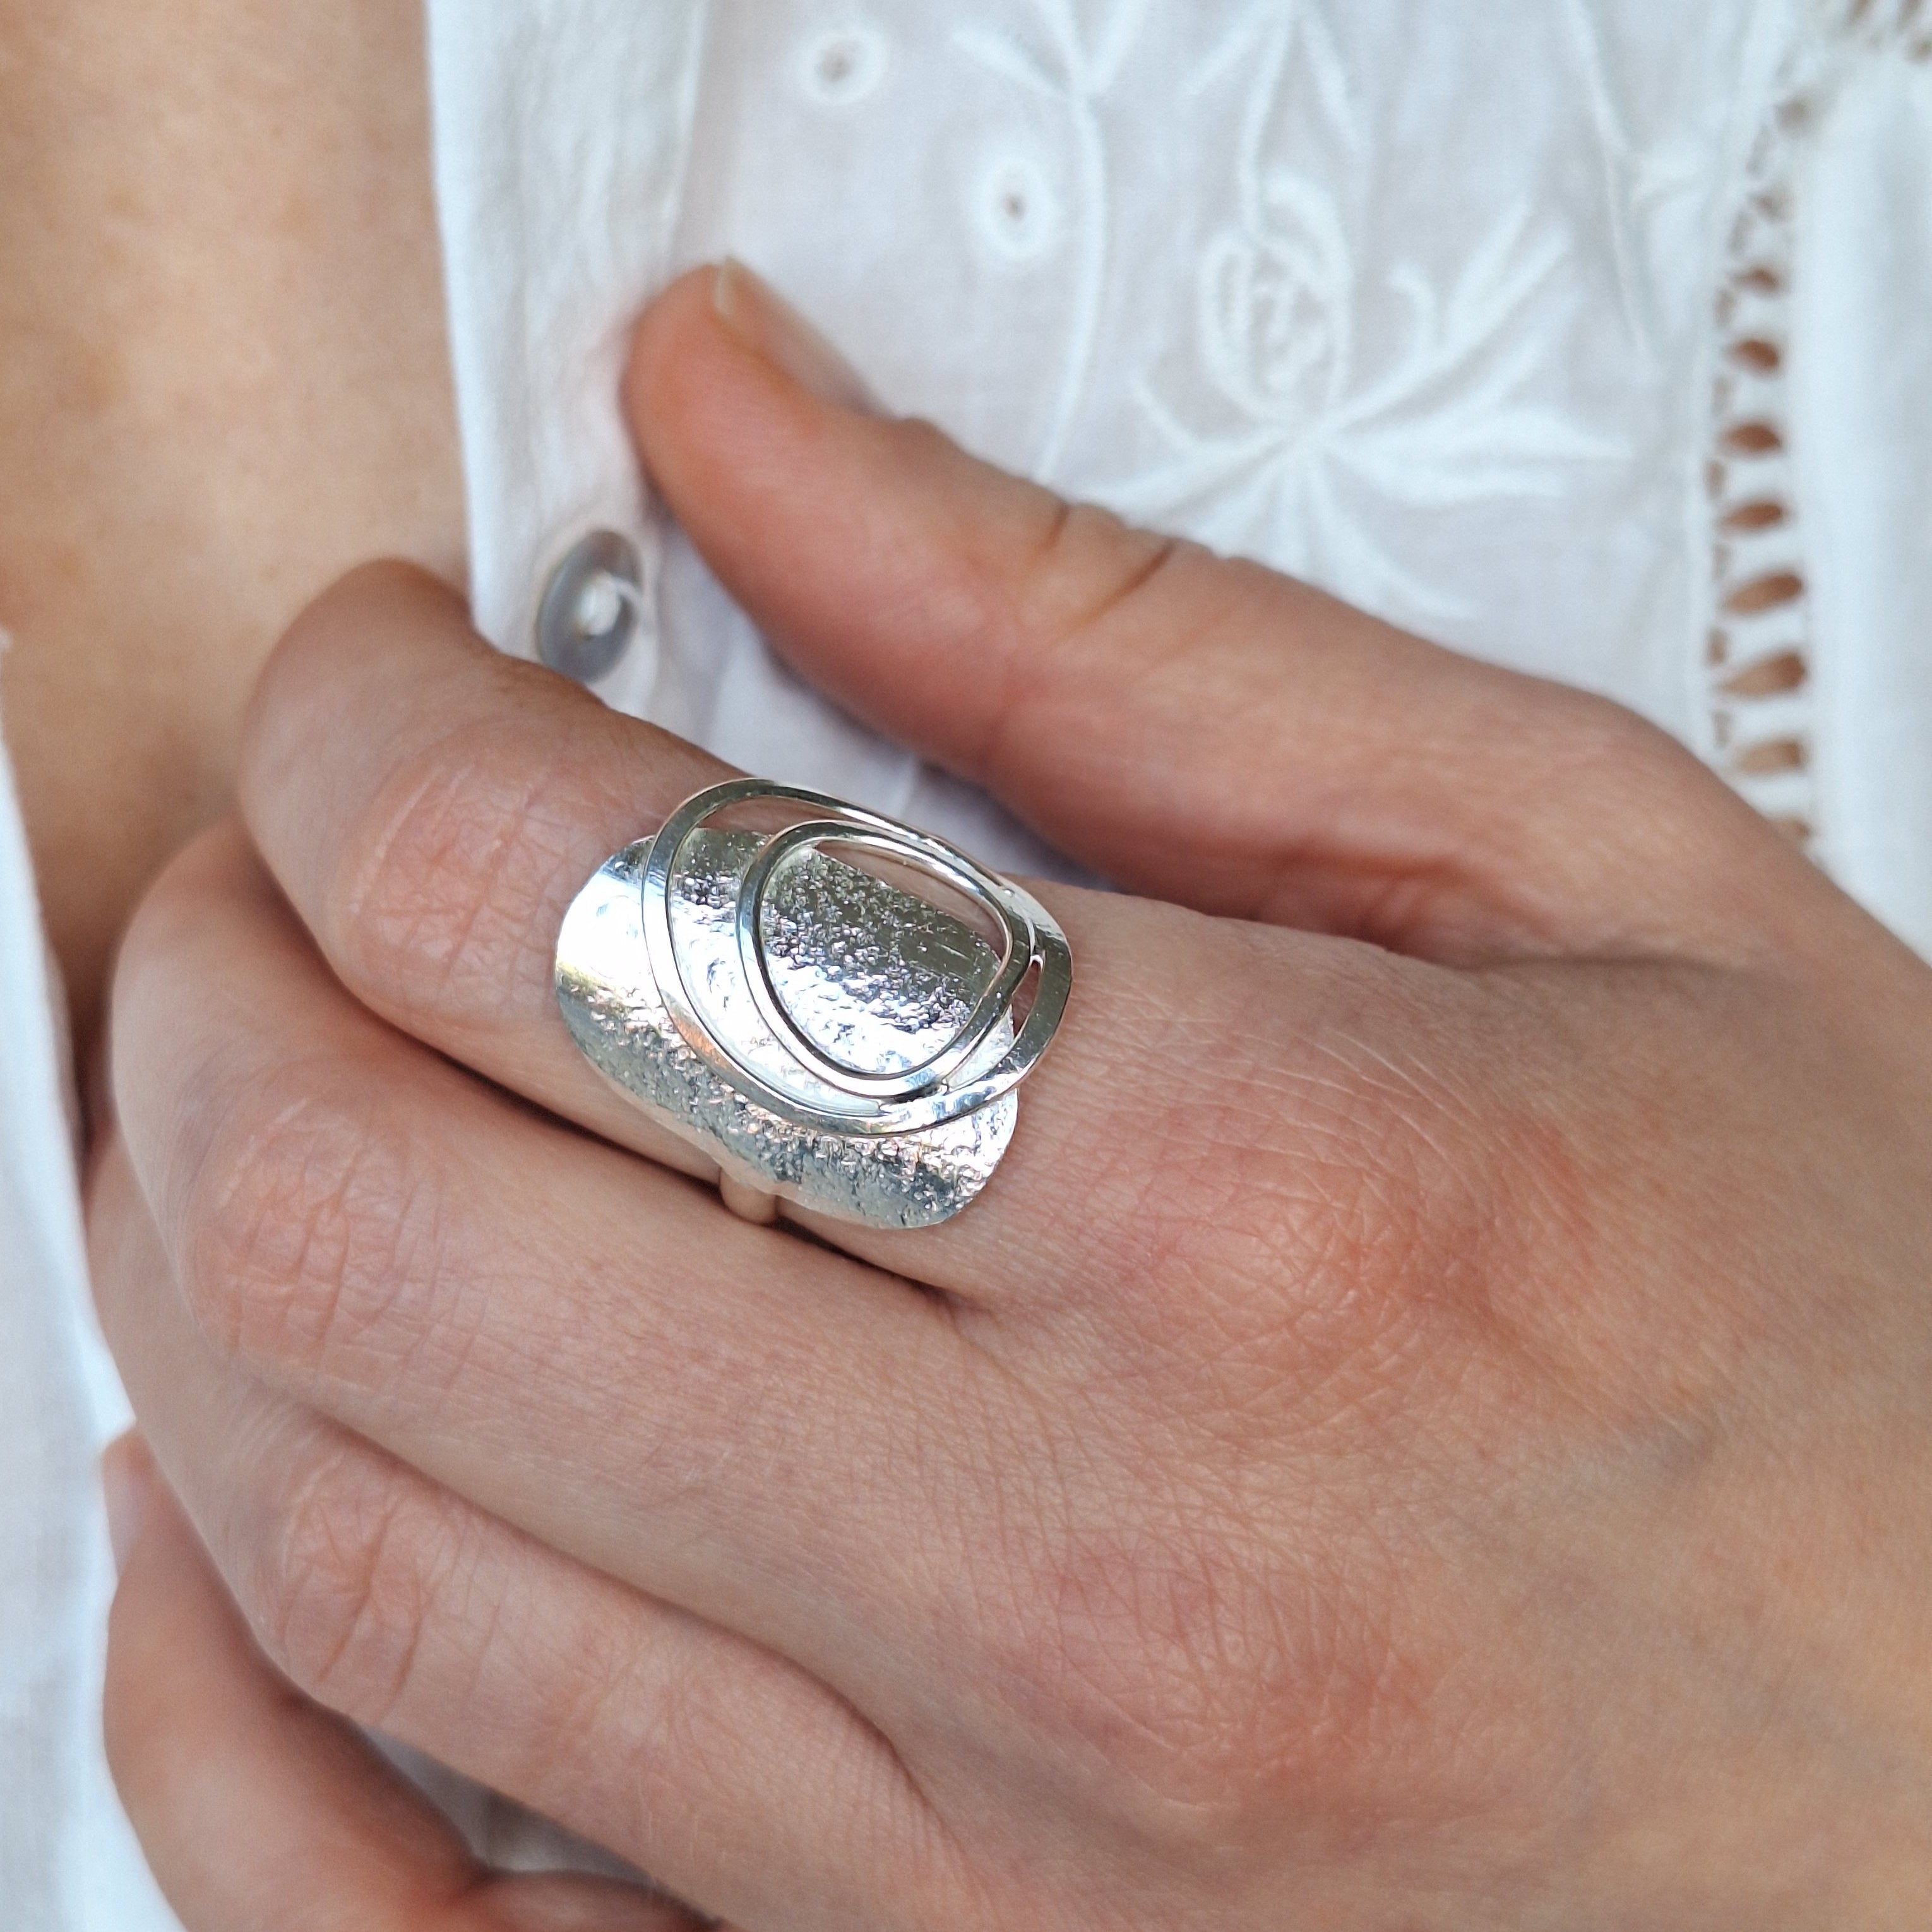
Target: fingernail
[[127, 1481], [765, 322]]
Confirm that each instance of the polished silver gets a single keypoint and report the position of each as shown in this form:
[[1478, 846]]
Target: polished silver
[[589, 614], [829, 1036]]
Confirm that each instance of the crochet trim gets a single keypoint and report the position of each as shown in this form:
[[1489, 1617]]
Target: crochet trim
[[1759, 655]]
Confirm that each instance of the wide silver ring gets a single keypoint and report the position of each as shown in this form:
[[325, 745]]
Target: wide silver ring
[[836, 1007]]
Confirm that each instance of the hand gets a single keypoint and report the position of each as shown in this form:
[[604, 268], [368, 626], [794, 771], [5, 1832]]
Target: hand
[[1430, 1425], [260, 1810]]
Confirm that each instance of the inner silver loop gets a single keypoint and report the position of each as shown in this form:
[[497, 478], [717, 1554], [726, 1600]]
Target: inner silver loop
[[774, 1061], [994, 1005]]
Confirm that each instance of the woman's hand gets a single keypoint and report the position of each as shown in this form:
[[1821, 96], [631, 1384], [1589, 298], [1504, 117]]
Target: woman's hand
[[262, 1812], [1431, 1424]]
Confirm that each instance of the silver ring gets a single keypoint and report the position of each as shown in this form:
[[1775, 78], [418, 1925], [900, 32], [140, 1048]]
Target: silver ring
[[836, 1007]]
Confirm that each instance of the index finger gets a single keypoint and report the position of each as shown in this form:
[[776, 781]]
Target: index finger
[[1195, 727]]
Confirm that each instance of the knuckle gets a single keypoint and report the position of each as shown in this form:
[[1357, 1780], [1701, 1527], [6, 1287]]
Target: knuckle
[[1602, 731], [1217, 1681], [311, 1227], [1087, 566], [1377, 1232], [1308, 1186], [445, 895], [353, 1566], [1635, 768], [181, 921], [1308, 1219], [1067, 585]]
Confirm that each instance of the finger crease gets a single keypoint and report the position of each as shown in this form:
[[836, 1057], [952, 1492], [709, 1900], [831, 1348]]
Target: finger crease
[[1037, 663]]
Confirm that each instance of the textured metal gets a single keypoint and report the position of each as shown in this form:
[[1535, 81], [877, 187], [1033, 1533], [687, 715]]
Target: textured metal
[[826, 1036], [589, 614]]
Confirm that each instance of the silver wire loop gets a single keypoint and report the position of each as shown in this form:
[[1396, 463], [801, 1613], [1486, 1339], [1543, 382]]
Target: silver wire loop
[[899, 1102], [829, 1036]]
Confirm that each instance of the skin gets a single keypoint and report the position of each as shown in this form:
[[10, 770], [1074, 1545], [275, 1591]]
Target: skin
[[1429, 1427], [223, 381], [258, 1804]]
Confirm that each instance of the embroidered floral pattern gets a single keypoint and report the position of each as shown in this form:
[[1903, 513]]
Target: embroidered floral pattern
[[1322, 431], [1323, 383]]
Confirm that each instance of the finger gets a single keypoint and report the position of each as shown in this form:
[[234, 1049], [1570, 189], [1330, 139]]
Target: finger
[[255, 1808], [727, 1416], [725, 1771], [430, 809], [1199, 729]]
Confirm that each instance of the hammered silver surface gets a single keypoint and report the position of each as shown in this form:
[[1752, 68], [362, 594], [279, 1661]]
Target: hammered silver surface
[[876, 990], [881, 977]]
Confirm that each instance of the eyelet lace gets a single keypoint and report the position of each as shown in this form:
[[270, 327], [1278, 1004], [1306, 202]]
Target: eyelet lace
[[1759, 656]]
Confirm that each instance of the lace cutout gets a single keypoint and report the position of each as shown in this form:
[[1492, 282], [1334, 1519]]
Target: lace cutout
[[1759, 654], [1904, 25]]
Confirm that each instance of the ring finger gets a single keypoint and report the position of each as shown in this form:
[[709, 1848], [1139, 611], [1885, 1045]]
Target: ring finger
[[430, 809]]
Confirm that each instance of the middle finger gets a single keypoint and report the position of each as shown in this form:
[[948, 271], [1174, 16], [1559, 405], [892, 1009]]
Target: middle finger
[[430, 809]]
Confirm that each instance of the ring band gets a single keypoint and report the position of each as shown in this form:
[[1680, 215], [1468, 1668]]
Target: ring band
[[836, 1007]]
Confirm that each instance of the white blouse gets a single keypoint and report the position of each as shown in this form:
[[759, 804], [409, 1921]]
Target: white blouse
[[1592, 337]]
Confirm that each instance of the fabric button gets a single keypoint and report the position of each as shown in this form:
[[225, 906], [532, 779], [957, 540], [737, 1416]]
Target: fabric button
[[591, 608], [843, 66]]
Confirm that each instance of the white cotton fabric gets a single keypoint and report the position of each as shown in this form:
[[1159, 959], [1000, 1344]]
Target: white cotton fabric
[[1589, 336]]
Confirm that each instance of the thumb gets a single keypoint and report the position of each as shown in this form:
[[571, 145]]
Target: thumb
[[1197, 729]]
